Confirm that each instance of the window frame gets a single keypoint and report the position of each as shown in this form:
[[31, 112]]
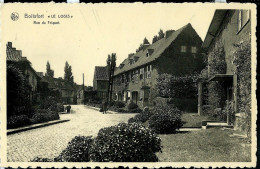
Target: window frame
[[183, 49], [240, 24]]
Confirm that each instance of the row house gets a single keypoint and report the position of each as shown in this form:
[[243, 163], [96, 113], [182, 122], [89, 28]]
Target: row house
[[14, 56], [178, 53], [227, 27], [66, 90]]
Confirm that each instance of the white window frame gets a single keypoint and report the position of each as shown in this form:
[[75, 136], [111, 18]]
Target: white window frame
[[193, 49], [183, 48]]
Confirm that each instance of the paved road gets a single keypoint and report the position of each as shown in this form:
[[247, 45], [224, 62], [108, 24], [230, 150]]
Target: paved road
[[51, 140]]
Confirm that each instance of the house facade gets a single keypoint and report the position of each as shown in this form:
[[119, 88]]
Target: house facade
[[66, 90], [100, 81], [15, 57], [228, 27], [178, 53]]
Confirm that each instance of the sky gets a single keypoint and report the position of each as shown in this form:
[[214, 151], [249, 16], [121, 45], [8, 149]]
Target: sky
[[95, 31]]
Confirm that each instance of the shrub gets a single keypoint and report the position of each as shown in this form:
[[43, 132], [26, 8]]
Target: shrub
[[39, 159], [77, 150], [119, 104], [165, 119], [43, 115], [125, 143], [185, 104], [60, 107], [142, 117], [132, 106], [18, 121]]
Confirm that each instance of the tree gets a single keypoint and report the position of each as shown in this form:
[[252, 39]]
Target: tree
[[160, 34], [49, 71], [68, 73], [146, 41], [155, 39]]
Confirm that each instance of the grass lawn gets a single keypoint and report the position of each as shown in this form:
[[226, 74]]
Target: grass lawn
[[193, 119], [211, 145]]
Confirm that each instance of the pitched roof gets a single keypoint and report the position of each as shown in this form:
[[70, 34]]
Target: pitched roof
[[158, 48], [58, 83], [217, 19], [101, 73]]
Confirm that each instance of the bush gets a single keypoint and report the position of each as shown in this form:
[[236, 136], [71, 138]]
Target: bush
[[119, 104], [18, 121], [142, 117], [125, 143], [185, 104], [132, 106], [165, 119], [44, 115], [60, 107], [77, 150], [39, 159]]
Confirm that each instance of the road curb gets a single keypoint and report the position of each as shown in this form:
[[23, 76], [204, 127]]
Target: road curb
[[35, 126]]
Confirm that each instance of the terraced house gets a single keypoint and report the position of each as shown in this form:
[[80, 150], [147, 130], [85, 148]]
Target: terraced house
[[228, 46], [178, 53]]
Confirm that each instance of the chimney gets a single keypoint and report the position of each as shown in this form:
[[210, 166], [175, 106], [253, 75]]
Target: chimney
[[9, 44], [146, 46], [168, 33], [19, 53]]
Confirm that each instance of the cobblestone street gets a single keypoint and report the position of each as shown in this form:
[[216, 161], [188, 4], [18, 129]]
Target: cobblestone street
[[51, 140]]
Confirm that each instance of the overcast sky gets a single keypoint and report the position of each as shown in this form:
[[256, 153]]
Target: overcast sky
[[95, 31]]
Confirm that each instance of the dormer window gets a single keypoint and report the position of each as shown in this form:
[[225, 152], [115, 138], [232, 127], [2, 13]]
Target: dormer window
[[149, 52], [121, 65], [136, 58], [193, 49], [183, 49]]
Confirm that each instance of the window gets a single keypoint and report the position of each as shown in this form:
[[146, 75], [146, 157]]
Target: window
[[148, 72], [142, 73], [243, 17], [183, 49], [193, 49]]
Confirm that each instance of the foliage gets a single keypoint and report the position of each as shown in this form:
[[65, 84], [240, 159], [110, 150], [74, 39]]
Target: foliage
[[159, 36], [49, 71], [242, 60], [170, 86], [125, 143], [44, 115], [142, 117], [132, 106], [165, 119], [141, 47], [39, 159], [216, 60], [18, 96], [68, 73], [185, 104], [119, 104], [18, 121], [60, 107], [77, 150]]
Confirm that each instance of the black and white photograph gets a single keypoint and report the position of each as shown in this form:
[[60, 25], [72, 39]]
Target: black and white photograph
[[128, 84]]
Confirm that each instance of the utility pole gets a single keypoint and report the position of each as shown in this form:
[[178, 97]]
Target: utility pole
[[111, 63]]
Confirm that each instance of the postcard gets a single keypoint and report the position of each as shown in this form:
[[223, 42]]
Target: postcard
[[128, 84]]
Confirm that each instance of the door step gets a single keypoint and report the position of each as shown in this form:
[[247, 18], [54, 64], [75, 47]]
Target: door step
[[208, 124]]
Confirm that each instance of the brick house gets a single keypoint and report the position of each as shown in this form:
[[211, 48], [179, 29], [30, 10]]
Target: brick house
[[15, 57], [66, 90], [178, 53], [227, 27], [100, 81]]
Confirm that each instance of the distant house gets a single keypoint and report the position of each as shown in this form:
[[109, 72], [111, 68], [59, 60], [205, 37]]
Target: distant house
[[228, 27], [100, 81], [15, 57], [67, 90], [178, 53]]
